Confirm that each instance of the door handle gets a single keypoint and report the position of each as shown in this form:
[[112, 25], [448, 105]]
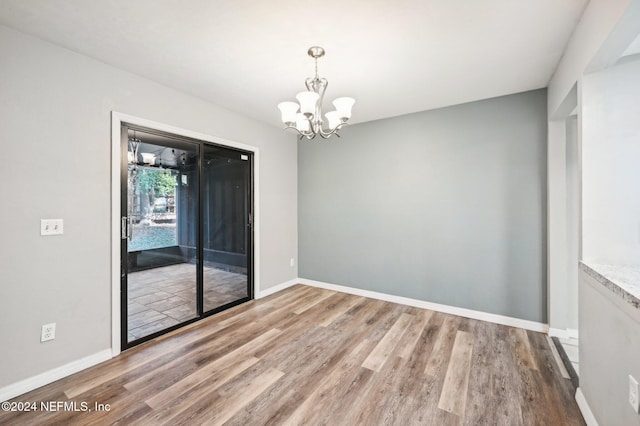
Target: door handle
[[124, 231], [125, 228]]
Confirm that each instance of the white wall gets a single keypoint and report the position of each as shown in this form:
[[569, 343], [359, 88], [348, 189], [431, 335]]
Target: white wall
[[572, 174], [563, 227], [55, 108], [611, 165], [609, 352], [604, 335], [597, 22], [588, 41], [557, 227]]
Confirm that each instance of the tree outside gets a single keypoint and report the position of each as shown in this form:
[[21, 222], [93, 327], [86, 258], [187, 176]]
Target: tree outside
[[152, 207]]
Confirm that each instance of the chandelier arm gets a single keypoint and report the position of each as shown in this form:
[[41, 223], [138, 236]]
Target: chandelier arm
[[310, 83], [308, 135], [313, 127], [326, 135]]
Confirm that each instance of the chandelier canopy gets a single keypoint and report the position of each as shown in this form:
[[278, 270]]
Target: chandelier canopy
[[305, 116]]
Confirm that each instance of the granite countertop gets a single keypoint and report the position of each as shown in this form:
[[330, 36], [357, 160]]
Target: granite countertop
[[622, 280]]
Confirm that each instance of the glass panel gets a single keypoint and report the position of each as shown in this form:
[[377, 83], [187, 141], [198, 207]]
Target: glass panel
[[152, 208], [225, 230], [162, 206]]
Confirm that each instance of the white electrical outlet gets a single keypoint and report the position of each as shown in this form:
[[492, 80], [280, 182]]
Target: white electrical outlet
[[634, 400], [51, 227], [48, 332], [292, 262]]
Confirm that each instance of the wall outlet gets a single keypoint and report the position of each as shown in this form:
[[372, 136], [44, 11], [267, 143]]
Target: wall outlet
[[292, 262], [48, 332], [634, 398], [51, 227]]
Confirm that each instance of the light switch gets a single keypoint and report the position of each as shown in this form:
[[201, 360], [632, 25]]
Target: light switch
[[51, 227]]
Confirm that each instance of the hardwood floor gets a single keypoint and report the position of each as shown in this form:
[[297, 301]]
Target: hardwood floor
[[316, 357]]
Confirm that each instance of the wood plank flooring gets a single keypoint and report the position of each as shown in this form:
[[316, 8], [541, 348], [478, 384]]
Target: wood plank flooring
[[307, 356]]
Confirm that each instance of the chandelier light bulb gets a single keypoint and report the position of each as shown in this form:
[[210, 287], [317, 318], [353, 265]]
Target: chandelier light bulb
[[333, 119], [302, 124], [289, 111], [343, 107], [308, 102]]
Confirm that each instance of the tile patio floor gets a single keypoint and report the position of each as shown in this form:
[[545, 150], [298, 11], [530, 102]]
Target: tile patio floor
[[162, 297]]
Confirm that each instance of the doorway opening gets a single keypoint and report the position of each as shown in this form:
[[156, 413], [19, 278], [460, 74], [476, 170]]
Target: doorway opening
[[186, 243]]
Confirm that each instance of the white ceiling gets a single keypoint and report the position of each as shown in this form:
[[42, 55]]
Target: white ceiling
[[634, 47], [393, 57]]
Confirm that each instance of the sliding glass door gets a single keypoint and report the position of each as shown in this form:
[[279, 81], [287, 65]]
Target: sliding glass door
[[226, 216], [186, 231]]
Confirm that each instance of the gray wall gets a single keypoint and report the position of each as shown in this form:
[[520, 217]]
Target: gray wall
[[55, 108], [446, 206], [609, 352]]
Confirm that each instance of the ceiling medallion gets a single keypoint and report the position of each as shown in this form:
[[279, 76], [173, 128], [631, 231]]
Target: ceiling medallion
[[308, 121]]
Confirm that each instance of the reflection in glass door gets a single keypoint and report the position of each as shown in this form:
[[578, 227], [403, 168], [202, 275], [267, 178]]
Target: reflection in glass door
[[226, 180], [186, 232], [161, 211]]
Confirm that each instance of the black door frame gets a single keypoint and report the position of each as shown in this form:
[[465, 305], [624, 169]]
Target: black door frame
[[200, 313]]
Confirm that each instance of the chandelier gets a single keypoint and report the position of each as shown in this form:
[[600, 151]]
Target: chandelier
[[308, 122]]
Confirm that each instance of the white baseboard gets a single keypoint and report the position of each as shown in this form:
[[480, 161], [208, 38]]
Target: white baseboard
[[276, 288], [467, 313], [589, 418], [26, 385], [566, 333]]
